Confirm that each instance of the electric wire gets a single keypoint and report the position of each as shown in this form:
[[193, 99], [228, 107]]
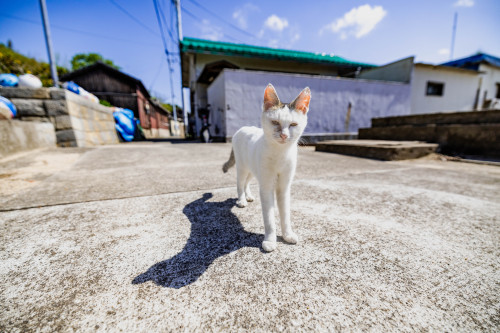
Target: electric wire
[[165, 45], [197, 4], [186, 11], [133, 18], [87, 33]]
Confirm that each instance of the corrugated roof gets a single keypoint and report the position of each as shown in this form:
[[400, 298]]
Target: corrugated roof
[[473, 62], [206, 46]]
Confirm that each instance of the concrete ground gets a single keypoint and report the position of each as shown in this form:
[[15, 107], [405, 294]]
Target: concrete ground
[[146, 237]]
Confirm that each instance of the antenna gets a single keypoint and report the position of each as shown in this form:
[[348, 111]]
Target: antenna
[[453, 35]]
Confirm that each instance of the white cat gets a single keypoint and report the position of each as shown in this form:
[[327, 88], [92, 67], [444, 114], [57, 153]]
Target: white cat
[[270, 155]]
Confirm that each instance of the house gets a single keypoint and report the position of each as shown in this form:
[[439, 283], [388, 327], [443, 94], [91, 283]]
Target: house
[[471, 83], [123, 90], [229, 80], [488, 66]]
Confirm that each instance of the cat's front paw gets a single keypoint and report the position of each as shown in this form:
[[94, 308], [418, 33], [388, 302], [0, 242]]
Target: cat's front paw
[[269, 246], [291, 237], [249, 197], [241, 203]]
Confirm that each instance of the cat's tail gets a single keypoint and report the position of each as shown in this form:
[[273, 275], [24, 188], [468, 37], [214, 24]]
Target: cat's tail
[[229, 162]]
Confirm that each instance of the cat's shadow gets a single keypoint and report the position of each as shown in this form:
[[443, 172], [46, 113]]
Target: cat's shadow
[[215, 231]]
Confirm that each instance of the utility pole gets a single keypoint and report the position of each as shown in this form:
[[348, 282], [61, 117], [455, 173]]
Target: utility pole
[[179, 35], [48, 41], [453, 35]]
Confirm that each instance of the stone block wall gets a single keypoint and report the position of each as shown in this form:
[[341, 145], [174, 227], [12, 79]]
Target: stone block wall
[[78, 122]]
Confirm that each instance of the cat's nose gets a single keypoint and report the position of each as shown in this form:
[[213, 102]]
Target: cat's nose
[[283, 136]]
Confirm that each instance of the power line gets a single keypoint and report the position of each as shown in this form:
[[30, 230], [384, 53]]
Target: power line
[[151, 85], [87, 33], [133, 18], [223, 20], [165, 45], [169, 27], [199, 20]]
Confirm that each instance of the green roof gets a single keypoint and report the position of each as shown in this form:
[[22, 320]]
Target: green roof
[[210, 47]]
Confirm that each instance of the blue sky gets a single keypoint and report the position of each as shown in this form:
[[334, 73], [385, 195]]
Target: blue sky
[[369, 31]]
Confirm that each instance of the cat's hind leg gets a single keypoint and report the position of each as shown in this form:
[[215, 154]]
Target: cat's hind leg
[[241, 182], [248, 193]]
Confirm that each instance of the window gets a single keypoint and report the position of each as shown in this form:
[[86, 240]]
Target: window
[[434, 89], [498, 91]]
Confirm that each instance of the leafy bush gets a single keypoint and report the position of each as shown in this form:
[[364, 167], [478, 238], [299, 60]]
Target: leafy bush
[[16, 63], [104, 102]]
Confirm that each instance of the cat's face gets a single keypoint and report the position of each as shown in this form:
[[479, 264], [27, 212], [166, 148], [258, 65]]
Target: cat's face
[[284, 123]]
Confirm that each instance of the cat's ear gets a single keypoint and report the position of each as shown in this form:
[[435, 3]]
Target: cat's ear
[[301, 102], [270, 98]]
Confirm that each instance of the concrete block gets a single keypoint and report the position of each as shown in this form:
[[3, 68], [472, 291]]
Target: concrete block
[[80, 135], [38, 119], [109, 125], [77, 123], [56, 107], [73, 109], [65, 135], [67, 144], [57, 93], [29, 107], [102, 116], [84, 112], [90, 114], [63, 122], [88, 125], [94, 138], [30, 93]]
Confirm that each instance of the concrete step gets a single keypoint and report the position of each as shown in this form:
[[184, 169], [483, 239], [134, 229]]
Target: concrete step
[[378, 149], [468, 139], [474, 117]]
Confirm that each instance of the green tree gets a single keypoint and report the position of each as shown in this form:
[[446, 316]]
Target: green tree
[[84, 59]]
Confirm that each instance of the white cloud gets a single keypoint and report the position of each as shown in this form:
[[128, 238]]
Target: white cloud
[[358, 21], [444, 52], [464, 3], [276, 23], [210, 31], [241, 14], [295, 38]]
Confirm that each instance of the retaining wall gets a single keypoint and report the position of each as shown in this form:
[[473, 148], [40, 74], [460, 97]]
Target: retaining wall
[[78, 122], [17, 136]]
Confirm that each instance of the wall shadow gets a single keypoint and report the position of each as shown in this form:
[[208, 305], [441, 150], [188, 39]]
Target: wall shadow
[[215, 231]]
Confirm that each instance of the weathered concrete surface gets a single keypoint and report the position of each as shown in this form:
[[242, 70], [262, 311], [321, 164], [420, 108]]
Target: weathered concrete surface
[[385, 246], [17, 136]]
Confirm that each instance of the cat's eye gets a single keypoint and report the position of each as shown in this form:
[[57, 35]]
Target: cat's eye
[[293, 124], [274, 122]]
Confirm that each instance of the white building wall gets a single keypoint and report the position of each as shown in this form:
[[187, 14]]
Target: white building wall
[[244, 91], [490, 79], [216, 98], [460, 89]]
